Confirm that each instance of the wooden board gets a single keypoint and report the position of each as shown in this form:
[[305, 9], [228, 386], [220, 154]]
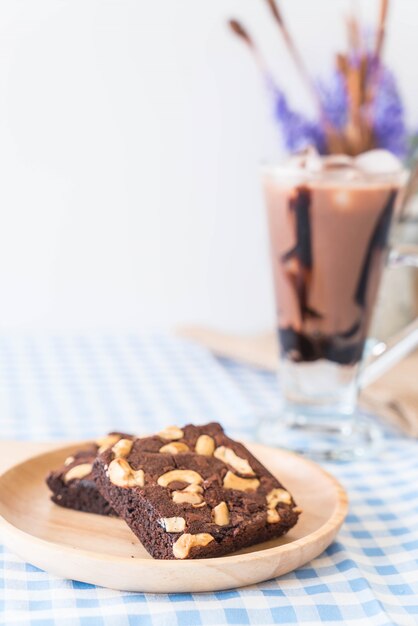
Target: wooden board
[[103, 551]]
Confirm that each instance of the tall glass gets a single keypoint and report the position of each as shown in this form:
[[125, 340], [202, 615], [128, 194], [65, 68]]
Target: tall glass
[[329, 232]]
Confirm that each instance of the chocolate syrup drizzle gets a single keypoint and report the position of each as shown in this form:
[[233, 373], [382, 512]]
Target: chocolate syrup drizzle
[[302, 251], [377, 242]]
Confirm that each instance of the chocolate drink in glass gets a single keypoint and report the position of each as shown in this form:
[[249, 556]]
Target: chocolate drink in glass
[[329, 227]]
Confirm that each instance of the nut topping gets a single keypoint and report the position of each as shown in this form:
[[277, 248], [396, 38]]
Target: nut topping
[[274, 497], [173, 524], [186, 542], [232, 481], [106, 442], [205, 445], [185, 497], [171, 433], [220, 514], [78, 471], [69, 460], [278, 495], [193, 488], [122, 448], [273, 516], [174, 447], [189, 495], [185, 476], [121, 474], [228, 456]]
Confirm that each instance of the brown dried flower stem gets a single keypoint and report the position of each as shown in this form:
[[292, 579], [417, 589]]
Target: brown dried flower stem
[[381, 31], [239, 30], [295, 54]]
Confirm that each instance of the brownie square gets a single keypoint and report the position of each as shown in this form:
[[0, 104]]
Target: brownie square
[[72, 484], [194, 493]]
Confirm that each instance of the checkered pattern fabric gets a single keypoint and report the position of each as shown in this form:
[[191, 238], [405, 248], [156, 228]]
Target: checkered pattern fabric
[[81, 387]]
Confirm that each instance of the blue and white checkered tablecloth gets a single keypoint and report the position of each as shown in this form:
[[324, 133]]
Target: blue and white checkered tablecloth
[[83, 386]]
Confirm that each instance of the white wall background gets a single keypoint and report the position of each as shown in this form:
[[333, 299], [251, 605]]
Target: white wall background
[[130, 133]]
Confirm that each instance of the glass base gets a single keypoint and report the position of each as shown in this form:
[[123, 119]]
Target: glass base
[[322, 437]]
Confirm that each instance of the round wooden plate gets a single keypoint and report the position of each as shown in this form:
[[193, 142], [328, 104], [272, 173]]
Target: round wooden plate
[[103, 551]]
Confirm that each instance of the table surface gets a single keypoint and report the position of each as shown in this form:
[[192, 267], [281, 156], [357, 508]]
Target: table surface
[[75, 387]]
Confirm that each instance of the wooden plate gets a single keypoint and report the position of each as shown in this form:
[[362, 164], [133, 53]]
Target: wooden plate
[[103, 551]]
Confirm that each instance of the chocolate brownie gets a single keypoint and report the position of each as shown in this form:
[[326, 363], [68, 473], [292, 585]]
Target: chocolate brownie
[[72, 484], [194, 493]]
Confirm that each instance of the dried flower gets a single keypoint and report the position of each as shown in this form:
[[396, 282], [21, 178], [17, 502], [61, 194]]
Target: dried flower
[[358, 108], [334, 98], [389, 123], [298, 132]]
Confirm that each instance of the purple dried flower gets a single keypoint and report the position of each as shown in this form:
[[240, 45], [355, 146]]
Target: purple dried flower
[[389, 116], [334, 99], [298, 131], [389, 119]]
